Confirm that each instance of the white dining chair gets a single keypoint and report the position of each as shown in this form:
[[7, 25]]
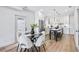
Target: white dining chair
[[36, 30], [60, 32], [24, 43], [40, 41], [43, 33]]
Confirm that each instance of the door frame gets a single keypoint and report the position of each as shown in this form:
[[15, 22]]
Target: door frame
[[16, 25]]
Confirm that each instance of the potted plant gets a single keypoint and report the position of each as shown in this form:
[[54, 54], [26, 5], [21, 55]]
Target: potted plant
[[32, 28]]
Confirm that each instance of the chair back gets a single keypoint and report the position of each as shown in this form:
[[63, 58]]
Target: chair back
[[25, 42], [40, 40], [60, 30], [43, 33], [36, 30]]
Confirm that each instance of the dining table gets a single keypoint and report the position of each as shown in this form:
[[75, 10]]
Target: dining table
[[33, 36], [55, 32]]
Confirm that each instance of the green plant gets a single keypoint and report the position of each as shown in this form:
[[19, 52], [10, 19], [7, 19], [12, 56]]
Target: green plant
[[34, 25]]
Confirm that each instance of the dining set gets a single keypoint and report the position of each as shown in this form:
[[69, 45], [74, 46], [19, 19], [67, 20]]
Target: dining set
[[57, 32], [31, 42]]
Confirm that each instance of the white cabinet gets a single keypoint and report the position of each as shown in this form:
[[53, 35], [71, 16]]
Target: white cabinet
[[66, 30]]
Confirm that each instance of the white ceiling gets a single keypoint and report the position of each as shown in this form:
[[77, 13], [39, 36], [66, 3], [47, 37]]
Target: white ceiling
[[49, 10]]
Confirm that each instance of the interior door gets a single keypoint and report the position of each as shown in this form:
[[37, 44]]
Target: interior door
[[20, 26]]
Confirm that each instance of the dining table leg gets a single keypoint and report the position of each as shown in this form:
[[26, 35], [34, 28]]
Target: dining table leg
[[50, 34], [55, 35], [56, 39]]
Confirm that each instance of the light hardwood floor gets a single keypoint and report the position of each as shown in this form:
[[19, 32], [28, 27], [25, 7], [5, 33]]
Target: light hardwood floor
[[65, 44]]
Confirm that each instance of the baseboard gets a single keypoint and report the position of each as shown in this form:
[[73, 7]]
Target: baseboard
[[7, 46]]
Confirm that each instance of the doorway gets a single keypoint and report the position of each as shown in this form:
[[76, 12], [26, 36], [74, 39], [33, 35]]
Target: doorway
[[19, 26]]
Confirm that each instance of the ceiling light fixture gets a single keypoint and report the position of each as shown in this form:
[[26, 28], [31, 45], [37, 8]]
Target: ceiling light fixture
[[69, 6]]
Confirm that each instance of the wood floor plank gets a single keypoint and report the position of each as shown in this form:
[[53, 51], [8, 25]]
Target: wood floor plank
[[64, 44]]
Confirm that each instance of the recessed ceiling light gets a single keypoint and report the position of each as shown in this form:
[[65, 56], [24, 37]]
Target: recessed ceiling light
[[69, 6], [25, 7]]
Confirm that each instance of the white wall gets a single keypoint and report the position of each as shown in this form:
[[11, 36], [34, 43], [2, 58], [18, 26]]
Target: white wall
[[36, 17], [7, 24], [76, 31]]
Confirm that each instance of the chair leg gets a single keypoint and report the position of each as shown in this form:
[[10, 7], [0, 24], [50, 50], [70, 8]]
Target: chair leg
[[44, 48], [32, 49], [39, 49], [35, 48], [25, 49], [17, 47], [21, 50]]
